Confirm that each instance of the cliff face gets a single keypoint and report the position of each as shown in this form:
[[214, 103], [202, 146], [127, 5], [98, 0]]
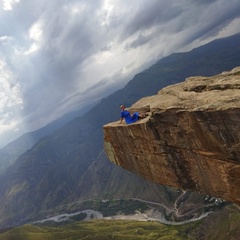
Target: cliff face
[[190, 140]]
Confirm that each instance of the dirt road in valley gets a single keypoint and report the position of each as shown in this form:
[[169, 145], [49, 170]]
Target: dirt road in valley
[[150, 215]]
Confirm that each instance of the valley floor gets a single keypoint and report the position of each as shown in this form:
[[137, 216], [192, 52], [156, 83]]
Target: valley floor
[[151, 214]]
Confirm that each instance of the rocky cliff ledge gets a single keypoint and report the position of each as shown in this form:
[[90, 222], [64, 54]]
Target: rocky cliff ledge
[[190, 140]]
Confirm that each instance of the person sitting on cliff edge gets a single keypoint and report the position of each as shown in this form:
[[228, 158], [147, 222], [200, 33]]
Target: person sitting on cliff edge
[[129, 118]]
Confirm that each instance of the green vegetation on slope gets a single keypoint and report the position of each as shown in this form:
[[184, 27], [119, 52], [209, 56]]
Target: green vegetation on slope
[[220, 225], [101, 230]]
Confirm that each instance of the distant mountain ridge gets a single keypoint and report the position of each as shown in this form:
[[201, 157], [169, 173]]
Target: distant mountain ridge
[[70, 165], [14, 149]]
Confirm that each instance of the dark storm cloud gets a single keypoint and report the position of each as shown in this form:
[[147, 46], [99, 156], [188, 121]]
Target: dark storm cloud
[[149, 15], [213, 19], [199, 19], [140, 40]]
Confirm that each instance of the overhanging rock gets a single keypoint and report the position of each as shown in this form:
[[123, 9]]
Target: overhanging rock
[[191, 140]]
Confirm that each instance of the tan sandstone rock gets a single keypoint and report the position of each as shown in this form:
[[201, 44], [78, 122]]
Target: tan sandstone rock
[[190, 140]]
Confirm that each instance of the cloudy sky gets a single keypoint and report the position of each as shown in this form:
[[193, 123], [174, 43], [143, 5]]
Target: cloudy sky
[[57, 56]]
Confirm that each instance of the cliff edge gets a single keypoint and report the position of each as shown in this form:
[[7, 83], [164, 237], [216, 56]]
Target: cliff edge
[[190, 140]]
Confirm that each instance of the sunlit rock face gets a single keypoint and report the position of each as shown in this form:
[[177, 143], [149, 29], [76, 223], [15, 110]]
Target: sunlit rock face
[[190, 140]]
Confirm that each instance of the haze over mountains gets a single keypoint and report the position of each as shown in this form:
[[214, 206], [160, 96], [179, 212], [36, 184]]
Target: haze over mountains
[[70, 165], [11, 151]]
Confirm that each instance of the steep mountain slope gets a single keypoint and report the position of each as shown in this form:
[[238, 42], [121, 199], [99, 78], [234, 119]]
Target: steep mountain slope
[[14, 149], [67, 165]]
